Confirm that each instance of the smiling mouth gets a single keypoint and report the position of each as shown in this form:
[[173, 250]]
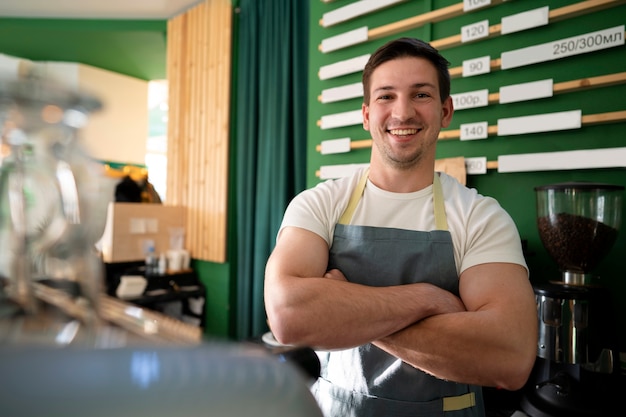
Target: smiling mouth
[[403, 132]]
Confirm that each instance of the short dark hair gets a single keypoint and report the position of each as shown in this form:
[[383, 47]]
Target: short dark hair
[[407, 47]]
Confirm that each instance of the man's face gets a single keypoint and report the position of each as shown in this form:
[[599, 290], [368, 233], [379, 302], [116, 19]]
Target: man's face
[[405, 113]]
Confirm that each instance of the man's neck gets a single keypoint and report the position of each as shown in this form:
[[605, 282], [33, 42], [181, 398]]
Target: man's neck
[[401, 180]]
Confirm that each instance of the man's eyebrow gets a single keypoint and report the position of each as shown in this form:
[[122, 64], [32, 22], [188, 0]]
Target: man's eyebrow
[[384, 88], [420, 85]]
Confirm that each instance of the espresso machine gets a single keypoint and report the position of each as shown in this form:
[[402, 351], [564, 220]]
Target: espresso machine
[[577, 369]]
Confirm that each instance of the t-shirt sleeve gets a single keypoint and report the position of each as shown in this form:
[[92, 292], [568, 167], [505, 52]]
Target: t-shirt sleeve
[[492, 237], [318, 209], [306, 213]]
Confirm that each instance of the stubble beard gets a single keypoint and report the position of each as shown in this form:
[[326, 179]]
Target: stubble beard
[[399, 161]]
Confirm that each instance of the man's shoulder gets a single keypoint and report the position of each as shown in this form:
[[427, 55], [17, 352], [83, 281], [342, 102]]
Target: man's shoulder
[[451, 184], [469, 197]]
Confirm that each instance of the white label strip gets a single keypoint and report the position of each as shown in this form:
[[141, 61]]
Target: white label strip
[[358, 8], [526, 20], [9, 67], [335, 146], [526, 91], [470, 99], [581, 44], [340, 68], [476, 166], [338, 171], [477, 66], [473, 131], [344, 40], [349, 118], [548, 122], [474, 4], [345, 92], [555, 161], [475, 31]]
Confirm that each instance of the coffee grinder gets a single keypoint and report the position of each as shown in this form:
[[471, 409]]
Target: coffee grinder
[[577, 367]]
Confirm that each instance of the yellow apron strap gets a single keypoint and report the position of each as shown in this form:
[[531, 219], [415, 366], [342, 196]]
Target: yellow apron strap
[[459, 403], [346, 217], [441, 221]]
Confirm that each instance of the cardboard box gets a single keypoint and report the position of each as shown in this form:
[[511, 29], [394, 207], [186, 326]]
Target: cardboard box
[[132, 227]]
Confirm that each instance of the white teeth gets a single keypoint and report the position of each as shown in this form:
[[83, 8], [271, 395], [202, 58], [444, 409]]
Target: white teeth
[[403, 131]]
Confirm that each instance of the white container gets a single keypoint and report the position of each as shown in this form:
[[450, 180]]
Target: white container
[[178, 260]]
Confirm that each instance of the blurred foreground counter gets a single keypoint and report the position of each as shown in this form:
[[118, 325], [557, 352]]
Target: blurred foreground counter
[[212, 379]]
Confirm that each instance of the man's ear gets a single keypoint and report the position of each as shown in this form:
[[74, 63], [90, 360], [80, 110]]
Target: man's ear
[[365, 110], [447, 110]]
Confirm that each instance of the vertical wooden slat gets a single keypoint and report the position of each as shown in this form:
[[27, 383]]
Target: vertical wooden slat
[[212, 152], [194, 120], [199, 74]]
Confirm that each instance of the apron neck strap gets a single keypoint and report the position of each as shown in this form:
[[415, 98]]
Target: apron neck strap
[[354, 199], [441, 221]]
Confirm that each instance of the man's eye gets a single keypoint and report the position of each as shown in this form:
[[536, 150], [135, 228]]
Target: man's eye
[[422, 95]]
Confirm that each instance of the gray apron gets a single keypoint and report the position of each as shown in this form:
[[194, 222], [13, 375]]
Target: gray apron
[[366, 381]]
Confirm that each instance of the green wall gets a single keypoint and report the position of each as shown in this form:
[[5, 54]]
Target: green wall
[[515, 191], [216, 279], [136, 48]]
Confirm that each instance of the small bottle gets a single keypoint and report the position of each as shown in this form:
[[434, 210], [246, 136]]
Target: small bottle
[[162, 264], [151, 262]]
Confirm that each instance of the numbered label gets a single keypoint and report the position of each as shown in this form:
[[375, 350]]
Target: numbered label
[[474, 4], [473, 131], [474, 166], [470, 99], [581, 44], [477, 66], [475, 31]]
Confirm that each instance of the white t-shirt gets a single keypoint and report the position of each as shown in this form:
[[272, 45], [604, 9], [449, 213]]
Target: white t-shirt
[[482, 231]]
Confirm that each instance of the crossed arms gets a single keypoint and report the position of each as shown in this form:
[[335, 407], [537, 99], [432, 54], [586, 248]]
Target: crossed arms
[[486, 337]]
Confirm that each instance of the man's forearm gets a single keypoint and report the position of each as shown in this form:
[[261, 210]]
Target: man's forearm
[[466, 347], [334, 314]]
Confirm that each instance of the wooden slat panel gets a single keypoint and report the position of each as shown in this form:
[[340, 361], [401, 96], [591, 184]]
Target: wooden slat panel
[[590, 119], [199, 75]]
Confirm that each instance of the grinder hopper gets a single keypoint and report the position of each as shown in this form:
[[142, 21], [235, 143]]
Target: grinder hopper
[[578, 224]]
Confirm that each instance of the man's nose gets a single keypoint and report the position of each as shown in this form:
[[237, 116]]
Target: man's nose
[[403, 109]]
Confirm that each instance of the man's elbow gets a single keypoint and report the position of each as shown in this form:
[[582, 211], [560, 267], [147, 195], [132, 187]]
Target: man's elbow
[[282, 327], [518, 371]]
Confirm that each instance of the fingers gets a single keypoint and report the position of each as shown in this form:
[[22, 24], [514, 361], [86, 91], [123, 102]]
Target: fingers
[[335, 274]]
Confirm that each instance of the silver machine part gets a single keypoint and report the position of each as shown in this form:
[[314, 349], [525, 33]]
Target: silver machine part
[[576, 278], [564, 334]]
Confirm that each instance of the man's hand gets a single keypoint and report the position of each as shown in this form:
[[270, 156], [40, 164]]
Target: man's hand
[[336, 275]]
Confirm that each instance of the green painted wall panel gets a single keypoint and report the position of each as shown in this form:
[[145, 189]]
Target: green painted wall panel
[[136, 48], [515, 191], [216, 279]]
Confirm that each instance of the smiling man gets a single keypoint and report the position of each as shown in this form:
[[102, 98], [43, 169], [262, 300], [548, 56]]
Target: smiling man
[[412, 287]]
